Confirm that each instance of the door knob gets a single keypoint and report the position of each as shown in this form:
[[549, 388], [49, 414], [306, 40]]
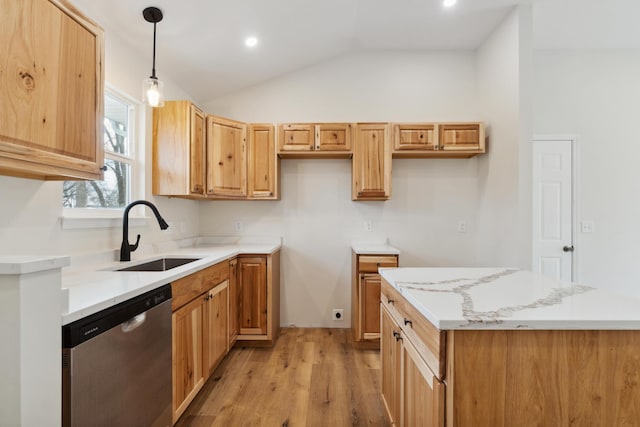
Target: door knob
[[568, 248]]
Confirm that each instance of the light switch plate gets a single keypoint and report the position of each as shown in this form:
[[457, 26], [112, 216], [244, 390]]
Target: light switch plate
[[586, 226], [462, 226]]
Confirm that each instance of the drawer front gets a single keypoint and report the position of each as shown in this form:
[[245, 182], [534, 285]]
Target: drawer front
[[370, 263], [185, 289], [428, 340]]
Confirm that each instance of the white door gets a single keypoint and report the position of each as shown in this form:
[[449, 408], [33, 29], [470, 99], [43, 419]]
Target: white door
[[552, 209]]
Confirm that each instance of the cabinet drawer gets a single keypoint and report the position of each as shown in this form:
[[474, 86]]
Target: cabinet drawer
[[428, 340], [185, 289], [370, 263]]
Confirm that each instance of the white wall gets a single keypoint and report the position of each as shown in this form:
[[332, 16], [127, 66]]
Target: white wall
[[594, 94], [316, 216], [503, 195], [30, 214]]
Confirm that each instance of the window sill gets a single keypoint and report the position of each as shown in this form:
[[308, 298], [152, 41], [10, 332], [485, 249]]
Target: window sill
[[85, 222]]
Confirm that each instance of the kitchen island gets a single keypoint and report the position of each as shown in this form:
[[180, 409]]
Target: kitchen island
[[505, 347]]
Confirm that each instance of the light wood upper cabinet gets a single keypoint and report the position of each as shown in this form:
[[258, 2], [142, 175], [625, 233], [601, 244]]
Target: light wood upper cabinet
[[333, 137], [179, 162], [441, 140], [308, 140], [415, 136], [296, 137], [264, 165], [371, 162], [461, 137], [52, 83], [226, 157]]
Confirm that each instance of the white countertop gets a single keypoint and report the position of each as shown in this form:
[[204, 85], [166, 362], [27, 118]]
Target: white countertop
[[499, 298], [31, 264], [89, 289], [373, 248]]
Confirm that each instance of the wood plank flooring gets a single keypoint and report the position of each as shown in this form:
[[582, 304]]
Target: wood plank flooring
[[311, 377]]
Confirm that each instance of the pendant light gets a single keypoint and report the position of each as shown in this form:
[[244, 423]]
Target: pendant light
[[152, 88]]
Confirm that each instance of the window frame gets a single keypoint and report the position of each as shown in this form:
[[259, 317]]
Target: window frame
[[73, 218]]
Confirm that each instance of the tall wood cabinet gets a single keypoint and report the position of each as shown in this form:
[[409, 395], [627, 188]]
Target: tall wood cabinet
[[179, 143], [371, 168], [264, 164], [52, 83], [365, 296], [258, 280]]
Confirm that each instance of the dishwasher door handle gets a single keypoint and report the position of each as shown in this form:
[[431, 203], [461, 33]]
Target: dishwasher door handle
[[134, 322]]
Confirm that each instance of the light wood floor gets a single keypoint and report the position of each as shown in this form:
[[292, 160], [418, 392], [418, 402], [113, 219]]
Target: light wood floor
[[312, 377]]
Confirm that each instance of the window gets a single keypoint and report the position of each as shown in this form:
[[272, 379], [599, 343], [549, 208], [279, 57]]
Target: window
[[114, 191]]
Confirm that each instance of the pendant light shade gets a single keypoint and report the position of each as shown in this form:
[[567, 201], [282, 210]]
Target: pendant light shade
[[152, 88]]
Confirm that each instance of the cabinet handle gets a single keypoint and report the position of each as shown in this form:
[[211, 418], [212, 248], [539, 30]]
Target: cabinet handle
[[207, 297], [408, 322], [390, 301], [397, 335]]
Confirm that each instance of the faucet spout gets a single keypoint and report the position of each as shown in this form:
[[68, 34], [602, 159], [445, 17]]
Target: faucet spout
[[126, 248]]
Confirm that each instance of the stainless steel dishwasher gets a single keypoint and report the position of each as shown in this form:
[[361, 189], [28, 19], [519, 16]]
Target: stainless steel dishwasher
[[116, 365]]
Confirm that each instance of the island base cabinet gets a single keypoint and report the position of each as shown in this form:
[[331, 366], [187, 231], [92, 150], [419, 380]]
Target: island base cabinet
[[501, 378]]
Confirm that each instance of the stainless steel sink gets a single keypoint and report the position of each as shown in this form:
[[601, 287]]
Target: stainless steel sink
[[162, 264]]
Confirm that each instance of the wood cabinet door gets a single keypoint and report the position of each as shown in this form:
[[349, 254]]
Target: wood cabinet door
[[216, 331], [234, 302], [390, 352], [415, 137], [370, 306], [252, 280], [371, 162], [187, 349], [226, 158], [263, 162], [461, 137], [197, 151], [422, 394], [333, 137], [51, 108], [295, 137]]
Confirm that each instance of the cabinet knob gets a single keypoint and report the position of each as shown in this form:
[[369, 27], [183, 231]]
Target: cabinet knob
[[408, 322], [390, 301]]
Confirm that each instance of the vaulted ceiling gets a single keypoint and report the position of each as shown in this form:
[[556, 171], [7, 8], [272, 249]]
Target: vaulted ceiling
[[203, 41]]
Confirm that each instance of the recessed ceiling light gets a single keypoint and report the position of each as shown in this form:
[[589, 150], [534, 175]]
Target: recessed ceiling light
[[251, 41], [449, 3]]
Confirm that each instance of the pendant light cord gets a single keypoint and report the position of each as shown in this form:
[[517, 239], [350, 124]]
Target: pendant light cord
[[153, 70]]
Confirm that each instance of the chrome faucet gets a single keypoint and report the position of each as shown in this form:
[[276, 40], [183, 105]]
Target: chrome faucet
[[126, 248]]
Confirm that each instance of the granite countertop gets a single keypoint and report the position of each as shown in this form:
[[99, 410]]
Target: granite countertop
[[89, 289], [500, 298]]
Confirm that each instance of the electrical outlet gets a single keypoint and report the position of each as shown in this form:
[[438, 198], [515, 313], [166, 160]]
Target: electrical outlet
[[368, 226], [237, 226], [586, 226], [462, 226], [338, 314]]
